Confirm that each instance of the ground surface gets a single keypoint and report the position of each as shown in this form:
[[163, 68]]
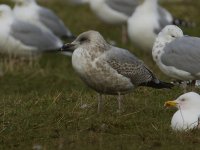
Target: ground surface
[[45, 105]]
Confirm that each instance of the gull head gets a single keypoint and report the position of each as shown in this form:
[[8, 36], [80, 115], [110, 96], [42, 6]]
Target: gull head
[[170, 33], [89, 41], [5, 11], [187, 101], [23, 2]]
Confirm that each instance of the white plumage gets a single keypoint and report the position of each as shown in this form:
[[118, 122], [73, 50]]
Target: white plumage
[[29, 11], [107, 14], [20, 38], [146, 22], [178, 56], [187, 116]]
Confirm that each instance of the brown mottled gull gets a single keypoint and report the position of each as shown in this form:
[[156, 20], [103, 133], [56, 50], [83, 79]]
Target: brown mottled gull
[[108, 69]]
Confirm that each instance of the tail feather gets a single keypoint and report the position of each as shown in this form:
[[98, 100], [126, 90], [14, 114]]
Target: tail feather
[[183, 23], [158, 85]]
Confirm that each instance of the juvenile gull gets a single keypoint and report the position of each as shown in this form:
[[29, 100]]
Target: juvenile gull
[[146, 22], [29, 11], [20, 38], [188, 114], [178, 56], [108, 69]]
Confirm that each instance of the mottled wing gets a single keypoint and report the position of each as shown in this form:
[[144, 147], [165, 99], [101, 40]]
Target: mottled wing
[[184, 54], [51, 21], [126, 7], [31, 35], [129, 66]]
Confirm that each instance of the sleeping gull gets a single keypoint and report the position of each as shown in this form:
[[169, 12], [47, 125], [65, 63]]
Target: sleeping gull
[[178, 56], [146, 22], [20, 38], [114, 11], [30, 11], [187, 116], [108, 69]]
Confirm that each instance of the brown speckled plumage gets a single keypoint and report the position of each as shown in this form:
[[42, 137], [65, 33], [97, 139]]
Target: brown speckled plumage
[[108, 69], [136, 72]]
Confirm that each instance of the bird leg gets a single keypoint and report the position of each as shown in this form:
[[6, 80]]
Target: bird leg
[[99, 103], [124, 34], [119, 99]]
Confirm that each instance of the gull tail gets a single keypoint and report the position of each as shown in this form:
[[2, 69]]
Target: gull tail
[[158, 85], [183, 23]]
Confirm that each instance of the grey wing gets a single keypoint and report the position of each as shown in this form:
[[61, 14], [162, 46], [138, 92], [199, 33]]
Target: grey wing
[[164, 19], [129, 66], [184, 54], [51, 21], [126, 7], [31, 35]]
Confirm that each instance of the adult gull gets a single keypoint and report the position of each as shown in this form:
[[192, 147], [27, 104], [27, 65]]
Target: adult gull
[[31, 12], [21, 38], [147, 21], [188, 114], [114, 12], [108, 69], [176, 55]]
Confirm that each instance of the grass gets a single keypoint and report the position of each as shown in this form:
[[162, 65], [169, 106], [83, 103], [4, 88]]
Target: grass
[[46, 106]]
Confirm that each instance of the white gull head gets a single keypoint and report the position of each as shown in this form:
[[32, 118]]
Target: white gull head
[[170, 33], [188, 112], [167, 35]]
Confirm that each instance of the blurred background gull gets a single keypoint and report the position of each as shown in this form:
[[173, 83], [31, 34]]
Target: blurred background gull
[[114, 12], [147, 21], [31, 12], [20, 38]]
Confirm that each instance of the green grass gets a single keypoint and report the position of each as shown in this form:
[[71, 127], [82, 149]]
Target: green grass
[[47, 106]]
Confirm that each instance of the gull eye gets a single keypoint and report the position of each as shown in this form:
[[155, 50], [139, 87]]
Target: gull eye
[[173, 36], [182, 99], [83, 39]]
